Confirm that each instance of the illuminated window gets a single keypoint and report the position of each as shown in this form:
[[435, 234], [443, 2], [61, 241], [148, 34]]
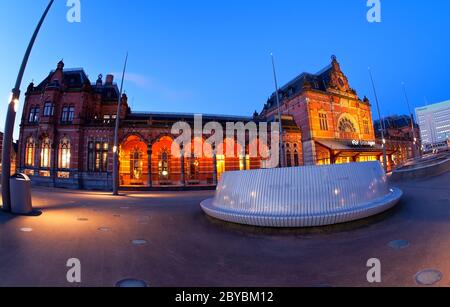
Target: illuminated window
[[29, 172], [323, 157], [45, 153], [343, 160], [136, 164], [194, 168], [323, 121], [244, 163], [30, 152], [64, 154], [44, 174], [164, 165], [98, 156], [220, 165], [64, 175]]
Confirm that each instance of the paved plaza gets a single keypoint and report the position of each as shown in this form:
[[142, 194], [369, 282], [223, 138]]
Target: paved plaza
[[178, 245]]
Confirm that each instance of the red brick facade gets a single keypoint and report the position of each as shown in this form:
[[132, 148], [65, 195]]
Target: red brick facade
[[66, 134], [330, 115]]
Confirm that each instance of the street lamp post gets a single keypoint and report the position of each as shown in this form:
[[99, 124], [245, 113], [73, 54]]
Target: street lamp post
[[116, 136], [11, 118], [413, 128], [383, 140], [282, 153]]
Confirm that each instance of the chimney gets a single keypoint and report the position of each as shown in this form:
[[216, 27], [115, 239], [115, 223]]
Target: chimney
[[99, 82], [109, 80]]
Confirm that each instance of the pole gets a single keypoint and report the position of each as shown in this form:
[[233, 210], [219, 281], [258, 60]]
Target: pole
[[282, 156], [116, 135], [11, 118], [381, 123], [412, 120]]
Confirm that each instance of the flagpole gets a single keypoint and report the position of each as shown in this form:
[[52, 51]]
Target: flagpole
[[381, 123], [412, 120], [116, 135], [11, 118], [282, 153]]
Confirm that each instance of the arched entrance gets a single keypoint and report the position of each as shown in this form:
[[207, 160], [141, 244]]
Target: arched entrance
[[133, 162], [166, 169]]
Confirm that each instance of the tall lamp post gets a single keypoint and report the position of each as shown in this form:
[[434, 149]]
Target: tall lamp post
[[282, 153], [381, 123], [11, 118], [413, 128], [116, 135]]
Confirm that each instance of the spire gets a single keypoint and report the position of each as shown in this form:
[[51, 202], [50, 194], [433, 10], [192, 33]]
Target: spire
[[60, 65]]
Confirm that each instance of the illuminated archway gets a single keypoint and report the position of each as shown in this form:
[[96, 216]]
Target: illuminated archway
[[166, 169], [133, 162]]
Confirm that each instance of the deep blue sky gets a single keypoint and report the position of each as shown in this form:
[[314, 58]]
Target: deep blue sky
[[213, 56]]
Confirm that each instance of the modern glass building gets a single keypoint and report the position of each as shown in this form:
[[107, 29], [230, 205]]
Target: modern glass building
[[434, 122]]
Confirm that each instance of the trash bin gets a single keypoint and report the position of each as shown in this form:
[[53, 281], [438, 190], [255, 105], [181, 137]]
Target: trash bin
[[21, 194]]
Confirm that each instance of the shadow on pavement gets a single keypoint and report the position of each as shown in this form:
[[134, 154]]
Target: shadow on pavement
[[345, 227]]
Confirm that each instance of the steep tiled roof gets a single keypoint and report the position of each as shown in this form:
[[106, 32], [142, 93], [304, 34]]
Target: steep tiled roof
[[73, 79]]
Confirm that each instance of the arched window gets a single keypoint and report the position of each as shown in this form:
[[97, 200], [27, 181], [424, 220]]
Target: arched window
[[45, 153], [296, 158], [194, 168], [30, 152], [346, 125], [164, 165], [289, 158], [64, 154], [136, 164]]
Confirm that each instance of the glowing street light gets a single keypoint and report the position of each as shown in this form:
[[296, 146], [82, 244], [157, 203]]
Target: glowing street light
[[11, 118]]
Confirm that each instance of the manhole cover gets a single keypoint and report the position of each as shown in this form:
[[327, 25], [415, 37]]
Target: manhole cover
[[139, 242], [26, 229], [399, 244], [104, 229], [428, 277], [132, 283], [83, 219]]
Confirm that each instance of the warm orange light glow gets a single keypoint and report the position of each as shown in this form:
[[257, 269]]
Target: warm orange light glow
[[16, 105]]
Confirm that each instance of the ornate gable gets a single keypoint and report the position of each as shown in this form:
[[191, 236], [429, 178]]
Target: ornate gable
[[338, 81]]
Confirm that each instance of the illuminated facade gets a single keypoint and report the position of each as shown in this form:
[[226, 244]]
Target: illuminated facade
[[67, 133], [336, 125]]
